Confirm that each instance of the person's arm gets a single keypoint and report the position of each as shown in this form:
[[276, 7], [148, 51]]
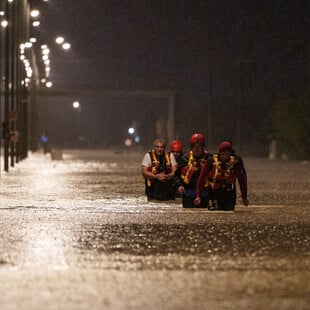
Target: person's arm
[[151, 176], [146, 167], [201, 182], [243, 182], [174, 166], [177, 175]]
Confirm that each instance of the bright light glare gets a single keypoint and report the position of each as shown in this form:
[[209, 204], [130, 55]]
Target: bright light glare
[[4, 23], [66, 46], [46, 51], [76, 104], [28, 44], [46, 244], [49, 84], [59, 40], [131, 130], [36, 23], [34, 13]]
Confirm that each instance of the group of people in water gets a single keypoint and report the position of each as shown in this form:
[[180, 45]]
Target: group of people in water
[[199, 178]]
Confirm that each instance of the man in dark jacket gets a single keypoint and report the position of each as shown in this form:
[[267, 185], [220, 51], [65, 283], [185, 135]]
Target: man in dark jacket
[[219, 175], [189, 170]]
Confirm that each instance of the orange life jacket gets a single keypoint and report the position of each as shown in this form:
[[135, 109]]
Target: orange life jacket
[[156, 165], [192, 166], [222, 174]]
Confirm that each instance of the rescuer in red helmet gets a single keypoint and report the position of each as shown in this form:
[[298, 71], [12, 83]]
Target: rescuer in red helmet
[[219, 175], [176, 148], [188, 172]]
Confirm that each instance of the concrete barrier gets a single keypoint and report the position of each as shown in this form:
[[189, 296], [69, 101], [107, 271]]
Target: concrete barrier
[[56, 154]]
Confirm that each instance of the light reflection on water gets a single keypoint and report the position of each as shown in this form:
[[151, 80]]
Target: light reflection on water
[[92, 213], [44, 245], [93, 185]]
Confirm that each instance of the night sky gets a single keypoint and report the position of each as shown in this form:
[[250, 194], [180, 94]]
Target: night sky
[[230, 59]]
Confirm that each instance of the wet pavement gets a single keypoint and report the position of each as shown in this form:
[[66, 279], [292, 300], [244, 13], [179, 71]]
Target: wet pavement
[[79, 234]]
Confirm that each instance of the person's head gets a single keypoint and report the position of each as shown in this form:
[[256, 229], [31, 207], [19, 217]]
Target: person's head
[[197, 144], [225, 149], [176, 147], [159, 146]]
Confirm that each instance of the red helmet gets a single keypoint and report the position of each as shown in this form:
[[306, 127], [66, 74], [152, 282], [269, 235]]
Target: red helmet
[[198, 138], [225, 146], [176, 146]]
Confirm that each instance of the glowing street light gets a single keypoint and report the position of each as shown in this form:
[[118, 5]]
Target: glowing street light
[[4, 23], [76, 104], [34, 13], [66, 46], [60, 40], [36, 23]]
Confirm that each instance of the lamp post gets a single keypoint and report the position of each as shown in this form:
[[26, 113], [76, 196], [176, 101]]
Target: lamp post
[[14, 88], [7, 83], [20, 78], [76, 105]]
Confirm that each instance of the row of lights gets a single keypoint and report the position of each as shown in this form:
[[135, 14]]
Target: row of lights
[[45, 57], [44, 49], [4, 23]]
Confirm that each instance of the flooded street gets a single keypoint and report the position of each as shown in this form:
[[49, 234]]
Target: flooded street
[[79, 234]]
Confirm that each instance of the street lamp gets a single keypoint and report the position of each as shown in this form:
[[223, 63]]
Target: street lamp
[[19, 69], [34, 13], [76, 105], [60, 40]]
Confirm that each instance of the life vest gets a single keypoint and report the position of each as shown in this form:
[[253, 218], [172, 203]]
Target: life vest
[[156, 166], [222, 174], [193, 165]]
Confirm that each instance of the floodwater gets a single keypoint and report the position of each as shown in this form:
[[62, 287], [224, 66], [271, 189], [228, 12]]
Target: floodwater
[[79, 234]]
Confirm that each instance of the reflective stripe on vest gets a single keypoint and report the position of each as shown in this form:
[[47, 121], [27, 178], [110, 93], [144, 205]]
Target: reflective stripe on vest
[[156, 165], [218, 176]]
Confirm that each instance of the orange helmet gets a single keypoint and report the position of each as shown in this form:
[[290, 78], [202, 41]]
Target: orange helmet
[[198, 138], [176, 146]]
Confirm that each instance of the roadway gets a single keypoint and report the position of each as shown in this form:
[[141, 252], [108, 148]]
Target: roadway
[[79, 234]]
